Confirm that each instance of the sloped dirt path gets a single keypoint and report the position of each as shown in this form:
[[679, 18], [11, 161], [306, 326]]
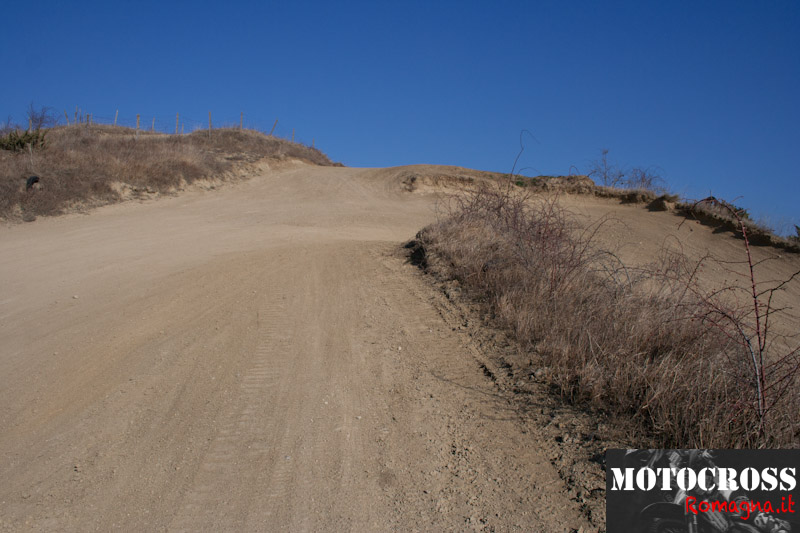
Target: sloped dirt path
[[257, 358]]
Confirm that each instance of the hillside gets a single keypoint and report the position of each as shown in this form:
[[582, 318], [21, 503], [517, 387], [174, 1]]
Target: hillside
[[83, 166], [266, 356]]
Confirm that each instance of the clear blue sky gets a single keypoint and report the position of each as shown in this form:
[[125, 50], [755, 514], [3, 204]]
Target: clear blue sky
[[709, 92]]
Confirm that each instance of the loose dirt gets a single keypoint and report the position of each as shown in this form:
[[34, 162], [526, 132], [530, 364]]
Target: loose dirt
[[263, 357]]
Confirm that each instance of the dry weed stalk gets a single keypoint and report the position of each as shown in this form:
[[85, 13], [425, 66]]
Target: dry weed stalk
[[773, 357]]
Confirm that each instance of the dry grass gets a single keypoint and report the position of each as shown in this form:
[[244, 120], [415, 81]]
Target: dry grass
[[84, 166], [637, 344]]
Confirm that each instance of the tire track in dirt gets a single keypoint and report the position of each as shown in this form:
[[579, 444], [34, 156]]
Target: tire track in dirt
[[249, 430]]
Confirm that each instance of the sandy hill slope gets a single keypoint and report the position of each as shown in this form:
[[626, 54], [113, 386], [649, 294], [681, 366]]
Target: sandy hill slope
[[638, 235], [262, 357]]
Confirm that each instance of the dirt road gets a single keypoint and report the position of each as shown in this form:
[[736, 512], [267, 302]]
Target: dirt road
[[255, 358]]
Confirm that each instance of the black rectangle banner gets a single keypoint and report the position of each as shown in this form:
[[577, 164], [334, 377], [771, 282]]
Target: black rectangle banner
[[702, 491]]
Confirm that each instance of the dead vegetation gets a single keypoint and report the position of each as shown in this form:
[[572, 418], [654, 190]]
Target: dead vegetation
[[651, 345], [83, 166]]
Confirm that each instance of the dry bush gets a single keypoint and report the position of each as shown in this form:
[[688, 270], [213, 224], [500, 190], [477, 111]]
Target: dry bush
[[632, 343], [41, 117], [611, 175], [608, 174], [645, 179], [85, 165]]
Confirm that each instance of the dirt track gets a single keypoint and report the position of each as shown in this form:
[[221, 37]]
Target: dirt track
[[255, 358]]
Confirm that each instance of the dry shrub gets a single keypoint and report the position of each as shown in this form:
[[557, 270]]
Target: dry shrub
[[83, 165], [632, 343]]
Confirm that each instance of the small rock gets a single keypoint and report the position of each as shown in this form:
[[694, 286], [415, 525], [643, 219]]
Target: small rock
[[74, 296]]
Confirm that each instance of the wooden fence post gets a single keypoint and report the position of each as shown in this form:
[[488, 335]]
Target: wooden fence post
[[76, 114], [177, 120], [137, 125], [292, 134], [116, 115], [241, 120], [209, 124], [273, 126], [153, 127]]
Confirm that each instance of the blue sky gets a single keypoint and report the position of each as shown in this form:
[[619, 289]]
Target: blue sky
[[707, 92]]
